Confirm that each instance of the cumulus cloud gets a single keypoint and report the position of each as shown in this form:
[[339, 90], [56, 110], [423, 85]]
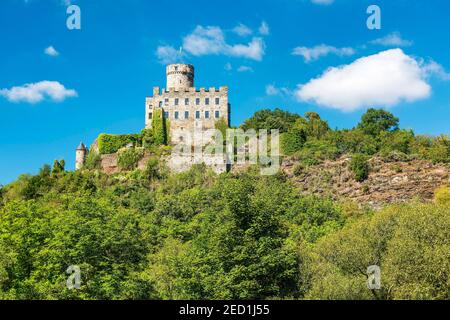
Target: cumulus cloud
[[392, 40], [51, 51], [383, 79], [314, 53], [211, 40], [168, 54], [37, 92], [242, 30], [264, 29]]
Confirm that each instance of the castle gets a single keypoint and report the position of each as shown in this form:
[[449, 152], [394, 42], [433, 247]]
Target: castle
[[186, 109]]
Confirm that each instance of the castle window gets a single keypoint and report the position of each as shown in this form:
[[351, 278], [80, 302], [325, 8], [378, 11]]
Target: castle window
[[166, 115], [197, 101], [160, 104], [186, 114], [176, 101], [150, 115], [207, 101], [166, 102], [176, 68], [197, 114], [206, 114], [217, 101], [175, 115], [186, 101], [217, 114]]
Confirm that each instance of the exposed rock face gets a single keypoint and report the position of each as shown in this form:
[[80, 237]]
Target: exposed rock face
[[388, 182], [109, 163]]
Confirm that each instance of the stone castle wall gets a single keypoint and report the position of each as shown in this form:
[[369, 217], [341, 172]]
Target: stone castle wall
[[189, 108]]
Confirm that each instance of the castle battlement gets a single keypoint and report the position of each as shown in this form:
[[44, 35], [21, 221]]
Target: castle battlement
[[186, 106], [157, 91]]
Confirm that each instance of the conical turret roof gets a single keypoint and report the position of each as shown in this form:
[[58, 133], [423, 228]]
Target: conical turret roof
[[81, 146]]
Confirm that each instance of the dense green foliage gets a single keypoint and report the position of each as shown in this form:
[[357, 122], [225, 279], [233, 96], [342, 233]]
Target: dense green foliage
[[111, 143], [128, 158], [160, 128], [311, 140], [408, 242], [148, 138], [150, 235], [376, 121], [268, 119]]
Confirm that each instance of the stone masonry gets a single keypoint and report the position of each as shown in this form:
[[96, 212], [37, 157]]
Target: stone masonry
[[187, 107]]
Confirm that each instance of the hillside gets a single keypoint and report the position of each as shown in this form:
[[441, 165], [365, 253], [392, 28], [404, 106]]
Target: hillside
[[390, 181], [344, 200]]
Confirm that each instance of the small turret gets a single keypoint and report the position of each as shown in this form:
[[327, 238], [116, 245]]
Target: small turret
[[80, 156]]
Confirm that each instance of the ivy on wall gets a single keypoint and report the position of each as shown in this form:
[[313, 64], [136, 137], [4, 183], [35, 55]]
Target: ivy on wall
[[111, 143]]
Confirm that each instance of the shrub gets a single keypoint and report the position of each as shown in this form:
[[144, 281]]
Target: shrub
[[128, 158], [152, 170], [440, 150], [111, 143], [293, 140], [316, 127], [400, 141], [352, 141], [58, 166], [442, 196], [298, 169], [93, 161], [360, 167]]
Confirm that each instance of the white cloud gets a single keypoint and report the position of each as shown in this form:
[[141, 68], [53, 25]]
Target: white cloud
[[36, 92], [392, 40], [322, 2], [314, 53], [168, 54], [383, 79], [264, 29], [242, 30], [211, 40], [245, 69], [432, 68], [272, 90], [51, 51]]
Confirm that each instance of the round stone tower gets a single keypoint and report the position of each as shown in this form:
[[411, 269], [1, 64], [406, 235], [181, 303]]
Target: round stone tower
[[80, 156], [180, 76]]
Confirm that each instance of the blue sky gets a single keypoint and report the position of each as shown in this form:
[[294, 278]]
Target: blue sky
[[60, 86]]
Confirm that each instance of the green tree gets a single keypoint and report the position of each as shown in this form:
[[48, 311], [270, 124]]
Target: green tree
[[271, 119], [375, 121]]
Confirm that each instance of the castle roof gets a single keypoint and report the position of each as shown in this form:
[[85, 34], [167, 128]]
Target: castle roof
[[81, 146]]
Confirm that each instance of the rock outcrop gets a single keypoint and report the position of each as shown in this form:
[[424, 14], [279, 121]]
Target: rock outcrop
[[388, 182]]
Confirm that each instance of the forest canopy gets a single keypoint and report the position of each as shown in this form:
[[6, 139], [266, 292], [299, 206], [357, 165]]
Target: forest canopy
[[152, 234]]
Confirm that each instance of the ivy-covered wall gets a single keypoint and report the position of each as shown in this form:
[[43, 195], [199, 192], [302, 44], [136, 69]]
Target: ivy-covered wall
[[111, 143]]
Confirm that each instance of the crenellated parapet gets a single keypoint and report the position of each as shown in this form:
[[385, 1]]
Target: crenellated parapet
[[185, 106]]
